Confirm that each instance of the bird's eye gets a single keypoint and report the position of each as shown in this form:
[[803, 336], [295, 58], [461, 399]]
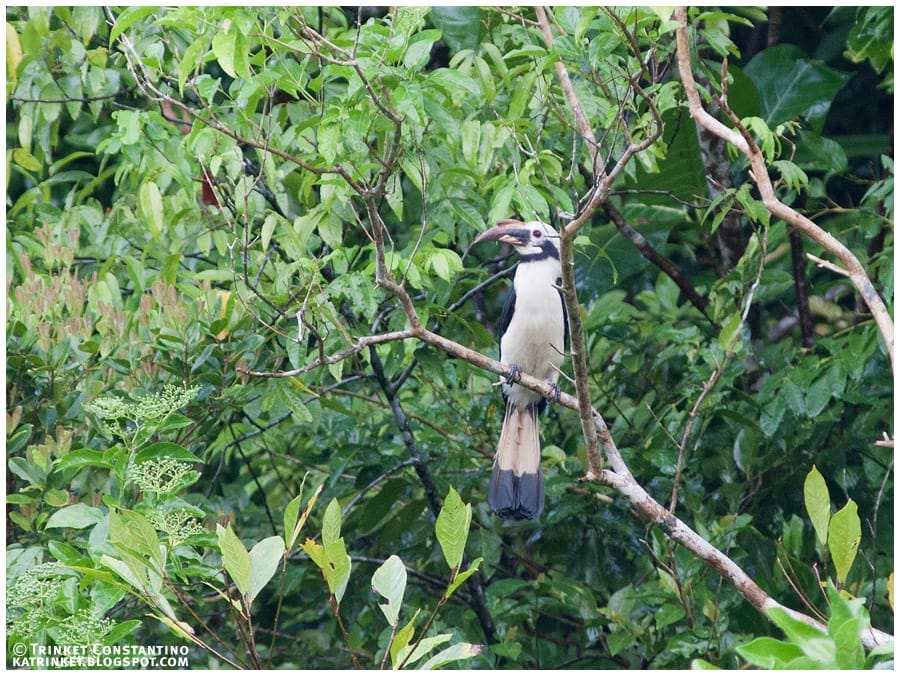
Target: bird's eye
[[536, 234]]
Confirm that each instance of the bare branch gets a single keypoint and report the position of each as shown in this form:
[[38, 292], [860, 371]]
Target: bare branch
[[804, 314], [361, 343]]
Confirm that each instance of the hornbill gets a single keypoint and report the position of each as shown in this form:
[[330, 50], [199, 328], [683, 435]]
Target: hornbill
[[533, 332]]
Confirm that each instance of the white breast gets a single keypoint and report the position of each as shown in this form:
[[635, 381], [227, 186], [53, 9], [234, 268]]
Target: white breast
[[534, 339]]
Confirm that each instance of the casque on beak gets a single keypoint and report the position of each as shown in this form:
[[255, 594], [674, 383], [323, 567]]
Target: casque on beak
[[509, 231]]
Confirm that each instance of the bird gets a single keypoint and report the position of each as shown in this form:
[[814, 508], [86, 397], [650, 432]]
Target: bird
[[533, 332]]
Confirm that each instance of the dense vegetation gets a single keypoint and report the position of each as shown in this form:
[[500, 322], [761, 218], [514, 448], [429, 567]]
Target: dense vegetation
[[221, 223]]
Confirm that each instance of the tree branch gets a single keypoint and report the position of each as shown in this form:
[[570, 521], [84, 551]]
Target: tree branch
[[803, 311], [599, 193], [760, 174]]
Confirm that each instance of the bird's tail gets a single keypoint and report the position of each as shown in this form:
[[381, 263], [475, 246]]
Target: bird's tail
[[517, 487]]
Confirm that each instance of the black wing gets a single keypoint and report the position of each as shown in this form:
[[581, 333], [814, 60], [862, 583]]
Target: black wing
[[565, 315], [506, 315]]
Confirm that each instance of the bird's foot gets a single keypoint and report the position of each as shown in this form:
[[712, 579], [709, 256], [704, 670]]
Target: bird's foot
[[514, 373], [557, 392]]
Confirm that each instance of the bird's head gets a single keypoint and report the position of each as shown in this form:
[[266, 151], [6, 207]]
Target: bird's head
[[531, 239]]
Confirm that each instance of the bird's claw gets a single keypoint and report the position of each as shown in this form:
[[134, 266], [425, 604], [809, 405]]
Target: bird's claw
[[514, 373], [557, 392]]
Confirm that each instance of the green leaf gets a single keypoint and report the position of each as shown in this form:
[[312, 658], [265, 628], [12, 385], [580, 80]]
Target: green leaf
[[123, 570], [331, 556], [329, 138], [422, 648], [452, 528], [458, 652], [26, 470], [128, 17], [872, 37], [76, 516], [190, 60], [225, 48], [453, 81], [331, 523], [845, 625], [26, 122], [794, 177], [26, 160], [818, 154], [339, 566], [729, 332], [130, 531], [797, 631], [444, 262], [769, 653], [389, 581], [151, 208], [129, 125], [754, 208], [241, 56], [701, 664], [268, 227], [460, 26], [331, 230], [818, 503], [418, 52], [167, 450], [460, 578], [793, 396], [83, 457], [264, 559], [402, 638], [844, 533], [316, 553], [818, 396], [523, 93], [235, 558]]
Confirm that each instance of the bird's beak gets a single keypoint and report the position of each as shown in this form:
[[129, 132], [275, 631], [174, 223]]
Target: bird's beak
[[507, 231]]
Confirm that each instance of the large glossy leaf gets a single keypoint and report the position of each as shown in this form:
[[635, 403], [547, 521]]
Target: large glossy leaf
[[76, 516], [460, 26], [681, 172], [790, 85]]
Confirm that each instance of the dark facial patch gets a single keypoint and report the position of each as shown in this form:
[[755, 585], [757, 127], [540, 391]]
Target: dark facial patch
[[548, 250]]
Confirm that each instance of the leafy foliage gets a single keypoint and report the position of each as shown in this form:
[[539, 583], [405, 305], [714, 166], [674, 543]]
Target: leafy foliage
[[807, 647], [191, 256]]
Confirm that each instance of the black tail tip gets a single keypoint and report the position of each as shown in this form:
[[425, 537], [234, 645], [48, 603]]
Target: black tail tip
[[517, 497]]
